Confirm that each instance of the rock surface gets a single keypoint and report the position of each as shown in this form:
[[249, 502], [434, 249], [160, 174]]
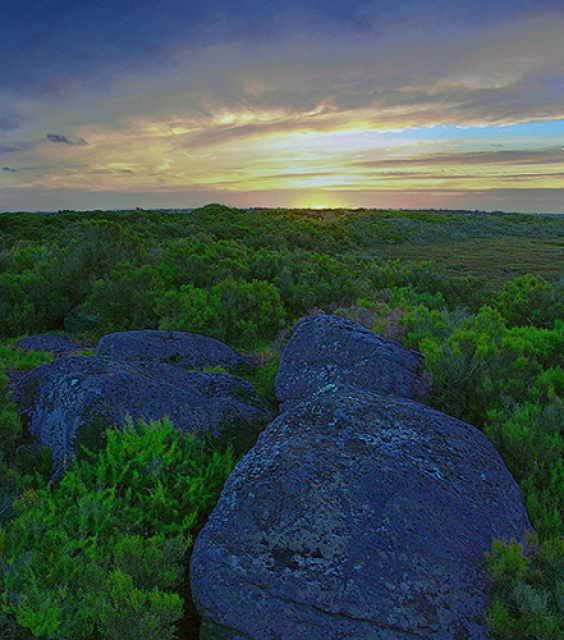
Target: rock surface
[[356, 516], [332, 350], [181, 348], [360, 512], [59, 344], [72, 401]]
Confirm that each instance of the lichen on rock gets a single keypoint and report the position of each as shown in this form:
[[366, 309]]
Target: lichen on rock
[[330, 350], [360, 512]]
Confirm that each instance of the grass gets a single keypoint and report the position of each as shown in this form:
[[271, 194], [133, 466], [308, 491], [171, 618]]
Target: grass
[[498, 259]]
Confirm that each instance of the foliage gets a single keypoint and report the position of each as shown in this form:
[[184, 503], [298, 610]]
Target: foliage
[[18, 456], [125, 298], [510, 382], [529, 590], [529, 300], [482, 296], [189, 309], [262, 376], [236, 311], [251, 312], [100, 555]]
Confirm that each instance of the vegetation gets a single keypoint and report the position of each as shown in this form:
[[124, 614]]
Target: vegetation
[[482, 296], [102, 554]]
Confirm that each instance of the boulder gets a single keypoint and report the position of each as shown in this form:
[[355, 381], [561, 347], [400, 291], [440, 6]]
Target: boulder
[[56, 343], [327, 350], [71, 401], [181, 348], [356, 515]]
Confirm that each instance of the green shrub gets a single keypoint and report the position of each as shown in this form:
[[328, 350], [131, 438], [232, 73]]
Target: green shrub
[[251, 312], [189, 309], [528, 588], [529, 300], [201, 261], [18, 457], [101, 554], [123, 300]]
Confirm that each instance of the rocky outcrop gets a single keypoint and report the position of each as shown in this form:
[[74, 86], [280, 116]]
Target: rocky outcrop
[[359, 513], [59, 344], [70, 402], [329, 350], [180, 348]]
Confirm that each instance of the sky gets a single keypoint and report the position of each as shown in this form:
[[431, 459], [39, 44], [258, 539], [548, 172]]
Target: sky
[[108, 104]]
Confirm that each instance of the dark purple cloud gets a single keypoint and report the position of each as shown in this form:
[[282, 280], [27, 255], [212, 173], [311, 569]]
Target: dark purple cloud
[[9, 169], [55, 137]]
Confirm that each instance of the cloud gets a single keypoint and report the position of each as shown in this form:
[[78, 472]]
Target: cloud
[[91, 44], [466, 77], [9, 169], [281, 96], [552, 156], [12, 148], [447, 73], [54, 137], [10, 118]]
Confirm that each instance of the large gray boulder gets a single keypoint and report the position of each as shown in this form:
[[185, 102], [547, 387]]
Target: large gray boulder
[[180, 348], [356, 515], [332, 350], [71, 401]]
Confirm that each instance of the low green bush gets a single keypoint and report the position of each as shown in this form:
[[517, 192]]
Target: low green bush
[[102, 554], [528, 588]]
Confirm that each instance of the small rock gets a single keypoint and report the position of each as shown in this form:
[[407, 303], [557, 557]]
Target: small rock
[[179, 348], [60, 344]]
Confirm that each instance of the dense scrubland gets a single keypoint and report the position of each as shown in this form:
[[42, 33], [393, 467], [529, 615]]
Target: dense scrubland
[[102, 553]]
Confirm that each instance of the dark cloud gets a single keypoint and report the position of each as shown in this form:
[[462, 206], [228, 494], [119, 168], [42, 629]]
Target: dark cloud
[[9, 169], [110, 171], [91, 43], [55, 137]]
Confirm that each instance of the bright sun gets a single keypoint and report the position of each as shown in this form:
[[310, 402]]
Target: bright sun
[[310, 201]]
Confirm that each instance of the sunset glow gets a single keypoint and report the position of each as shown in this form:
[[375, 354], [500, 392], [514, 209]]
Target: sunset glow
[[464, 111]]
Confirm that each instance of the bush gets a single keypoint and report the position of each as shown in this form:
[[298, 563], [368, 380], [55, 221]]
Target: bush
[[189, 309], [529, 300], [18, 456], [101, 555], [123, 300], [528, 586]]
